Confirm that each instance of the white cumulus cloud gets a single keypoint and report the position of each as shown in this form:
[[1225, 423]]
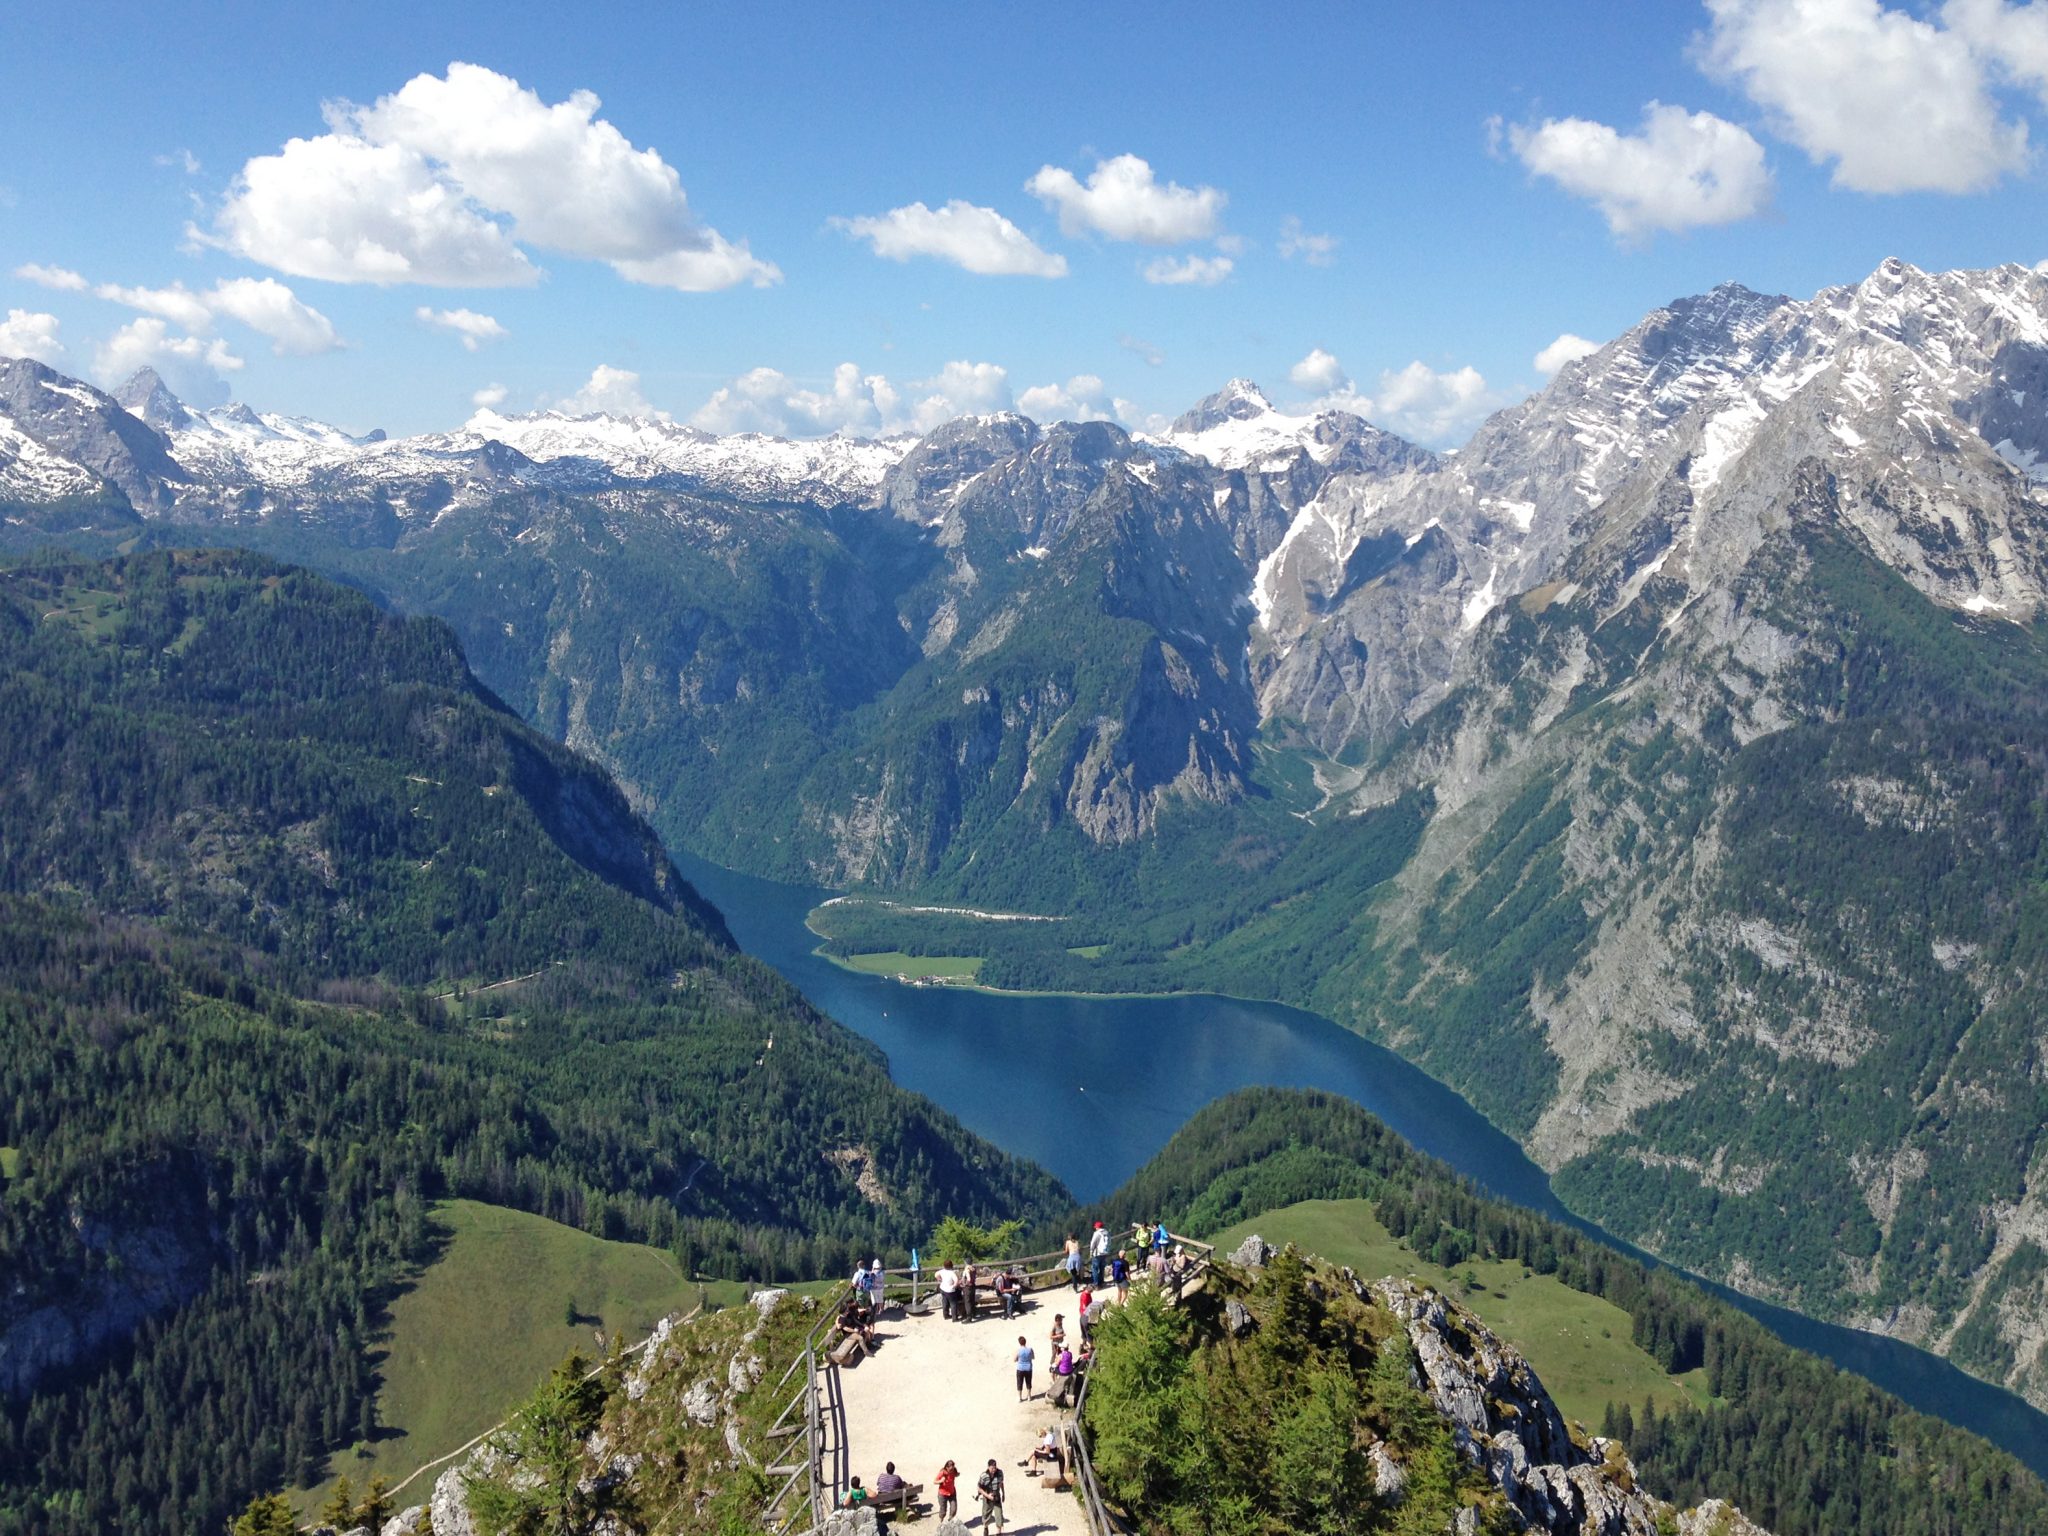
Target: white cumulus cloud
[[1316, 250], [1188, 271], [1084, 397], [768, 400], [194, 367], [345, 210], [2013, 37], [975, 238], [263, 304], [61, 278], [490, 397], [1684, 169], [1566, 349], [610, 391], [443, 181], [177, 303], [1431, 407], [31, 333], [1420, 403], [471, 328], [1319, 373], [1894, 101], [271, 309], [1123, 200]]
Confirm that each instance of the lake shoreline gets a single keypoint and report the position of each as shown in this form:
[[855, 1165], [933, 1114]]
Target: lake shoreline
[[1091, 1085]]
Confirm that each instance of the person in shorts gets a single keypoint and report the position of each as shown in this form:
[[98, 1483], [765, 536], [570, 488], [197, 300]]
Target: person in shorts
[[989, 1488]]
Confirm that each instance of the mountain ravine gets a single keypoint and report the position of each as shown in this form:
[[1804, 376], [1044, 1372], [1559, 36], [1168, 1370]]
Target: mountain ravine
[[1703, 689]]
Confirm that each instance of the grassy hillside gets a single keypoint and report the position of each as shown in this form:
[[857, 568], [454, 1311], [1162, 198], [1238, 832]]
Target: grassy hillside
[[489, 1316], [1579, 1344]]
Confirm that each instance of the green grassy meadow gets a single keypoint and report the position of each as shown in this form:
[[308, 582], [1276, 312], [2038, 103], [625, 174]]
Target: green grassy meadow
[[486, 1322], [1579, 1344], [892, 962]]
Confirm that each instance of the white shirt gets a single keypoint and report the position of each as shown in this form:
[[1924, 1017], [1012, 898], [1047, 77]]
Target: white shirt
[[1098, 1245], [948, 1281]]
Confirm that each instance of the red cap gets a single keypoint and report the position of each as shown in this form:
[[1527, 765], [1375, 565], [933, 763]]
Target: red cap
[[1098, 1223]]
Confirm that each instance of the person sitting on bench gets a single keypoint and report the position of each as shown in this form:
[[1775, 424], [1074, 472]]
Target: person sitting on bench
[[1050, 1449], [1063, 1377], [856, 1320]]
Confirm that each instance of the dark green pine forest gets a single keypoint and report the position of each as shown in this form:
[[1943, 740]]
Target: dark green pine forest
[[1803, 1448], [301, 930]]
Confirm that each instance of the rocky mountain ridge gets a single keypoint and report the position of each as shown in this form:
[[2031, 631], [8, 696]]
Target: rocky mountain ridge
[[677, 1426], [1709, 672]]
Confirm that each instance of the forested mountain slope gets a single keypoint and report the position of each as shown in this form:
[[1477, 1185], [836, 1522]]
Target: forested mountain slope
[[1804, 1448], [1658, 769], [300, 930]]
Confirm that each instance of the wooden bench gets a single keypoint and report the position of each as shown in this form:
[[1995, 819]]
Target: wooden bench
[[904, 1498], [851, 1347]]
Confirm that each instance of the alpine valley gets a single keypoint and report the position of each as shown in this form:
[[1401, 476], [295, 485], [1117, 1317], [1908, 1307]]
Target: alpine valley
[[1664, 770]]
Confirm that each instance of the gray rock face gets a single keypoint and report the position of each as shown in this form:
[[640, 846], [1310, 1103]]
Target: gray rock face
[[1483, 1386], [449, 1506], [1237, 1317], [73, 424], [851, 1522], [702, 1401], [1506, 1424], [1389, 1477], [1253, 1253], [141, 1271], [1717, 1517], [407, 1522]]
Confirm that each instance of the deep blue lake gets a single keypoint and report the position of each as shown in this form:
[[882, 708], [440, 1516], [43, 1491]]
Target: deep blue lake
[[1090, 1088]]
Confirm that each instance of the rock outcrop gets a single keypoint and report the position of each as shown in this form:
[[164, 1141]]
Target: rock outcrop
[[1506, 1424]]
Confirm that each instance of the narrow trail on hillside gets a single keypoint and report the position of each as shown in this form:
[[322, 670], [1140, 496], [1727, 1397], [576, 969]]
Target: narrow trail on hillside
[[936, 1390]]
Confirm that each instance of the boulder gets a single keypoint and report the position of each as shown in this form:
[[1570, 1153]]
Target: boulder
[[1253, 1253], [1389, 1477], [643, 1369], [1237, 1317], [407, 1522], [1717, 1517], [700, 1403], [449, 1505], [850, 1522]]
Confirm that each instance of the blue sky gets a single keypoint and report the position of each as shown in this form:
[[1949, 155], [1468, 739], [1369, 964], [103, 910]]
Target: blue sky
[[1465, 184]]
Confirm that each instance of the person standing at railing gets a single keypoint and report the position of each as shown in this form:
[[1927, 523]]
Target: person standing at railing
[[969, 1278], [1120, 1277], [949, 1291], [1072, 1262], [1098, 1253]]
